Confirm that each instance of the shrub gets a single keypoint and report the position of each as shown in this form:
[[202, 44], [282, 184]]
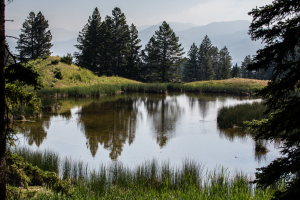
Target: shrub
[[54, 62], [58, 75], [67, 59]]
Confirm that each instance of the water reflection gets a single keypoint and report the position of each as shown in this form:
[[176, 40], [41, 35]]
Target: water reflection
[[164, 112], [145, 120], [110, 124]]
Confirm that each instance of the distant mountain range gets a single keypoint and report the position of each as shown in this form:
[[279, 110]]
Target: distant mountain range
[[232, 34]]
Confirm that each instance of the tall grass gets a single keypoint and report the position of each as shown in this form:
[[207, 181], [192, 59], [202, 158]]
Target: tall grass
[[151, 180], [228, 117], [161, 88]]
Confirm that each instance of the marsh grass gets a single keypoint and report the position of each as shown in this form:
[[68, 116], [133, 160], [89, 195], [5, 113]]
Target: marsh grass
[[231, 86], [150, 180], [228, 117]]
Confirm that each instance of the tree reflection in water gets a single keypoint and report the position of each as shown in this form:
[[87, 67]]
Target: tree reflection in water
[[164, 112], [110, 123]]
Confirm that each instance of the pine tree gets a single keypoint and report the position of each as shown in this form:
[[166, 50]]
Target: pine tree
[[208, 70], [35, 39], [278, 26], [133, 60], [164, 53], [120, 39], [191, 70], [215, 61], [235, 72], [246, 73], [90, 44], [204, 51], [225, 64]]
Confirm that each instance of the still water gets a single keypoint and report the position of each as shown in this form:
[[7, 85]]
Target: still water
[[133, 128]]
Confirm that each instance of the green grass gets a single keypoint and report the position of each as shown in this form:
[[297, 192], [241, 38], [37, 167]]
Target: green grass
[[151, 180], [228, 117]]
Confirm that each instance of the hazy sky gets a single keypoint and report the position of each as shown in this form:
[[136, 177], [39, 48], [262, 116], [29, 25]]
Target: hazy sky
[[73, 14]]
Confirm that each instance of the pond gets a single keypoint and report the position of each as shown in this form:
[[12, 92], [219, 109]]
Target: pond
[[133, 128]]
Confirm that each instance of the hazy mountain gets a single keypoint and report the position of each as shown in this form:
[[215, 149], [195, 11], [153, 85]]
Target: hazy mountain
[[231, 34], [61, 48], [147, 33]]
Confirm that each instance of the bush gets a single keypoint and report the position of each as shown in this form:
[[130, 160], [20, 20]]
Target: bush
[[54, 62], [58, 75], [67, 59]]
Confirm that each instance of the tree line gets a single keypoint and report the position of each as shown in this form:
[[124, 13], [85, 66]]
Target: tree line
[[111, 48]]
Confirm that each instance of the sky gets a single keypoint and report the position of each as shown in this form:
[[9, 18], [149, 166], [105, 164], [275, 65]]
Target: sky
[[74, 14]]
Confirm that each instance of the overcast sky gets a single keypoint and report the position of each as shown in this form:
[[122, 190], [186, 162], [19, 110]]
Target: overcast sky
[[73, 14]]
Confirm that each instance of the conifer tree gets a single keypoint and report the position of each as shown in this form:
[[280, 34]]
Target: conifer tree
[[204, 51], [35, 39], [225, 64], [246, 73], [191, 69], [120, 39], [235, 72], [215, 61], [164, 54], [133, 60], [208, 71], [278, 26], [90, 44]]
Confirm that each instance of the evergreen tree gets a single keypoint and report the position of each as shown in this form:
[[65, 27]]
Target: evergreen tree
[[90, 44], [215, 61], [246, 73], [120, 39], [35, 39], [225, 64], [204, 51], [133, 59], [235, 72], [208, 70], [164, 53], [278, 26], [191, 70]]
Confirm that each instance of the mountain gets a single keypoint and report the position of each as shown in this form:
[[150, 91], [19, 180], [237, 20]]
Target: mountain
[[232, 34]]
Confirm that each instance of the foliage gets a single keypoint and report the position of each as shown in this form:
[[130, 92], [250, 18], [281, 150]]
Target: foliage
[[191, 69], [21, 173], [54, 62], [35, 40], [67, 59], [163, 54], [228, 117], [88, 39], [278, 26]]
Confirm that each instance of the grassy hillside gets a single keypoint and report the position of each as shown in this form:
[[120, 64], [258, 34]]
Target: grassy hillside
[[63, 75]]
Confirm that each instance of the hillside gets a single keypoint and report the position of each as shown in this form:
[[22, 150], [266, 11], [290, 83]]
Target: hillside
[[63, 75]]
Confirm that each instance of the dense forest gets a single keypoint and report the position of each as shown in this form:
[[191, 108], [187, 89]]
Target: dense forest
[[110, 47]]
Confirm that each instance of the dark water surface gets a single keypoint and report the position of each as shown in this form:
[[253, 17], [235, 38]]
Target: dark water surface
[[133, 128]]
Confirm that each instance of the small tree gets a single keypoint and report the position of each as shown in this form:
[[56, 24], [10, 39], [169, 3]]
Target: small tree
[[164, 54], [35, 39], [191, 69], [225, 64]]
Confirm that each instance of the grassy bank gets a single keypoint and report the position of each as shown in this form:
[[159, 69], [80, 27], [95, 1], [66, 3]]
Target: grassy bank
[[228, 117], [149, 180], [244, 87]]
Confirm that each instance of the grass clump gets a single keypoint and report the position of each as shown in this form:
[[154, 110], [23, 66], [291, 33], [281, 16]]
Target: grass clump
[[152, 180], [229, 117]]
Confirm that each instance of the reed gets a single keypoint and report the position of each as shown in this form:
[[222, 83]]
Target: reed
[[228, 117], [150, 180]]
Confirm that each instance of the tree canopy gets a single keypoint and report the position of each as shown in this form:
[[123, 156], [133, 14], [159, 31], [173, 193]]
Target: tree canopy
[[164, 54], [35, 39], [278, 26]]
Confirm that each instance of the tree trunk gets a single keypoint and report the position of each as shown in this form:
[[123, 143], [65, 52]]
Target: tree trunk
[[2, 103]]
